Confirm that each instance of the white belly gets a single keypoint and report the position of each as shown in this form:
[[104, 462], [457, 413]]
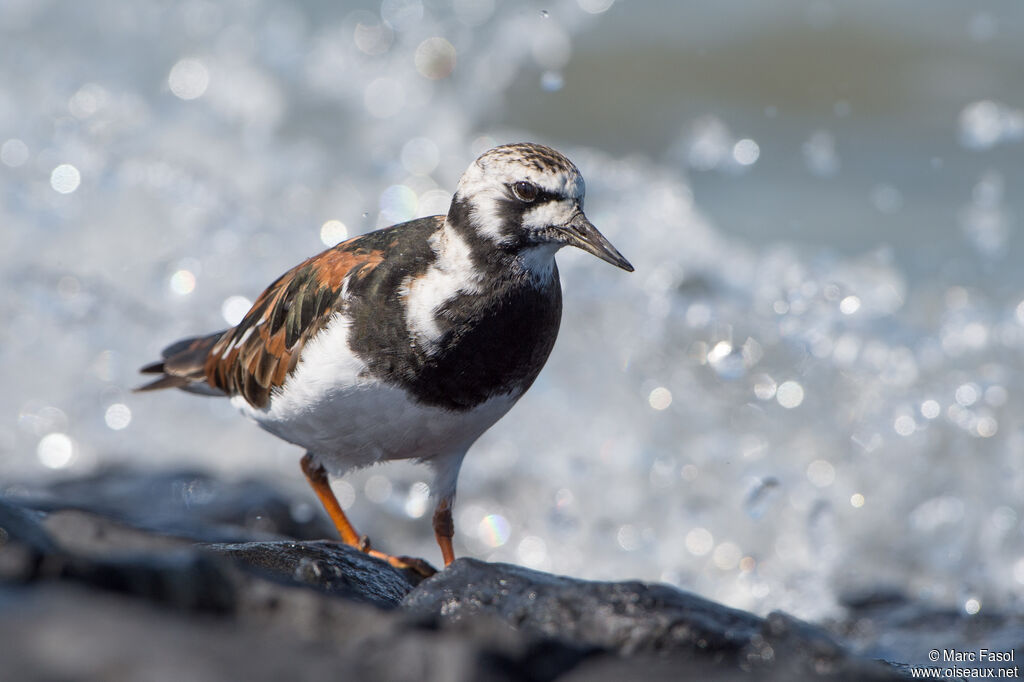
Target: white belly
[[332, 408]]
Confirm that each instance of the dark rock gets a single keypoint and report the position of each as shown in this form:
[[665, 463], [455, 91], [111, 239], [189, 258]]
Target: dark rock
[[627, 618], [24, 543], [108, 554], [330, 567], [97, 535], [63, 632], [631, 618], [116, 584], [887, 624], [186, 503], [185, 581]]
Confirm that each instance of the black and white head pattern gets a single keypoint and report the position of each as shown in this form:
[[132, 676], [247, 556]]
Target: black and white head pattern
[[513, 193]]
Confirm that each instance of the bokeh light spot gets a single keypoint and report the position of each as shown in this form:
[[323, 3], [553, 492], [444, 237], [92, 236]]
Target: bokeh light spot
[[398, 203], [435, 58], [821, 473], [532, 551], [434, 202], [628, 537], [417, 499], [332, 232], [377, 489], [699, 541], [182, 282], [345, 493], [727, 556], [660, 398], [371, 35], [188, 79], [967, 394], [595, 6], [494, 530], [13, 153], [904, 425], [790, 394], [849, 305], [118, 416], [420, 156], [764, 387], [55, 450], [65, 178], [986, 427], [986, 123], [930, 409], [746, 152], [234, 308]]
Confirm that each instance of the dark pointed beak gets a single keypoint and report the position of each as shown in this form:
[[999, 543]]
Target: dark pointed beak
[[581, 233]]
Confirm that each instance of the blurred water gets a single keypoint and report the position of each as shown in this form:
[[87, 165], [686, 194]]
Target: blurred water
[[808, 387]]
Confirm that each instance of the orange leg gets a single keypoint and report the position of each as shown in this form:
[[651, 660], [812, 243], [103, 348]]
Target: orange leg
[[444, 530], [317, 477]]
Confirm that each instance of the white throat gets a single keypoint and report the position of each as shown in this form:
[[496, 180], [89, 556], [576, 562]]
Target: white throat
[[538, 262]]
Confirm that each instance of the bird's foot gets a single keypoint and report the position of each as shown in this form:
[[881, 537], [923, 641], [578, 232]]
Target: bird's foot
[[403, 563]]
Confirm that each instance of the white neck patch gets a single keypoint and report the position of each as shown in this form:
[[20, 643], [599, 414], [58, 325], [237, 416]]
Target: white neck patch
[[451, 274]]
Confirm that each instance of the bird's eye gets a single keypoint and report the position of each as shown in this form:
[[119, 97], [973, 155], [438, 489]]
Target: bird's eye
[[525, 191]]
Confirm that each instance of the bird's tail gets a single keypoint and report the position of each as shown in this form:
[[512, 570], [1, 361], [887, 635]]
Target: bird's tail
[[184, 366]]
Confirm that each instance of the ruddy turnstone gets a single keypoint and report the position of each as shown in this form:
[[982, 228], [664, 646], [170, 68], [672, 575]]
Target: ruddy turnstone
[[408, 342]]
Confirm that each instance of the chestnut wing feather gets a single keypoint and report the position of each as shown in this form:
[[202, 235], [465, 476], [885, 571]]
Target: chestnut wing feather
[[257, 356]]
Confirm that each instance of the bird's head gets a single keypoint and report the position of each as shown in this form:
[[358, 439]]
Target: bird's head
[[528, 199]]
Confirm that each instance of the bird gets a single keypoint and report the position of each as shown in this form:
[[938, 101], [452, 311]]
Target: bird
[[410, 341]]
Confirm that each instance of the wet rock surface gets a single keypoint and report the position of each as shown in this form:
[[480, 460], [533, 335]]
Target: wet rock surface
[[100, 586]]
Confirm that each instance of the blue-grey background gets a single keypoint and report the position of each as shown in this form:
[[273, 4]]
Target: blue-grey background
[[809, 387]]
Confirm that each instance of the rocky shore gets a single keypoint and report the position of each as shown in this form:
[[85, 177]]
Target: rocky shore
[[122, 577]]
